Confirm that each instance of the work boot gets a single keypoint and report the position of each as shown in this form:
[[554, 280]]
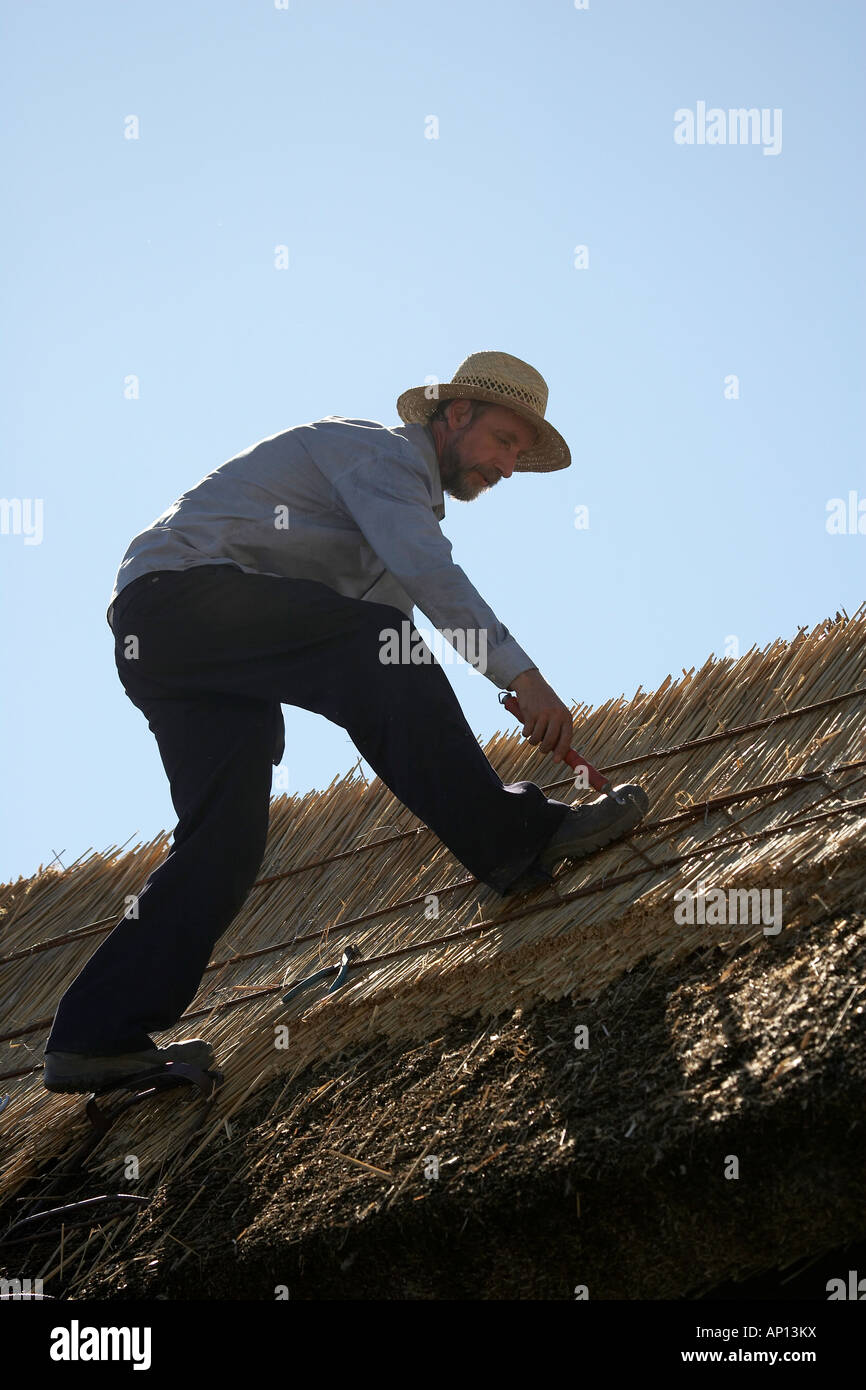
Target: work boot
[[86, 1071], [584, 829], [590, 827]]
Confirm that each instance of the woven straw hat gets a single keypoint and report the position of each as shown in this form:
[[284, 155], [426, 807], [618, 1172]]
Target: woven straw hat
[[500, 379]]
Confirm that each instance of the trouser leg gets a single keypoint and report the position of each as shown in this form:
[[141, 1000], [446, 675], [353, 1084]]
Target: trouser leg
[[217, 755]]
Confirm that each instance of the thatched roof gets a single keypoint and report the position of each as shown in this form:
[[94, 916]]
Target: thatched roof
[[756, 769]]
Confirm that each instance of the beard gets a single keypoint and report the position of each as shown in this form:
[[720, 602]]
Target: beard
[[453, 473]]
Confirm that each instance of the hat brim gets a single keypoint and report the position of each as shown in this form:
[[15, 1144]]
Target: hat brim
[[548, 454]]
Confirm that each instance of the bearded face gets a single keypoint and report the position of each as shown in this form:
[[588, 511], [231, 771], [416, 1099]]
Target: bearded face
[[459, 477], [475, 452]]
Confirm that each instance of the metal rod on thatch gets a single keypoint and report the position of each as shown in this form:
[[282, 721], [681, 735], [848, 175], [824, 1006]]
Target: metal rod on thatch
[[669, 752], [85, 1206], [699, 809]]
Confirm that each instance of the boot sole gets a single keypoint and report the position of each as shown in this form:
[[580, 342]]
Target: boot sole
[[97, 1084], [91, 1085]]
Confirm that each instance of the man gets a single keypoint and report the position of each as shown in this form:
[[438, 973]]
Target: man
[[275, 580]]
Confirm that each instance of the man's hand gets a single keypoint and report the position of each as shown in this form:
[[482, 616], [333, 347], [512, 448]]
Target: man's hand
[[546, 720]]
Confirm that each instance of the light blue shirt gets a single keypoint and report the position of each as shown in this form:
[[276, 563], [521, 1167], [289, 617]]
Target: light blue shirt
[[351, 503]]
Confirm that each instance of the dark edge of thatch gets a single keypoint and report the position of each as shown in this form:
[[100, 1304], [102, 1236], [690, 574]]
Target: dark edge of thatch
[[757, 1057]]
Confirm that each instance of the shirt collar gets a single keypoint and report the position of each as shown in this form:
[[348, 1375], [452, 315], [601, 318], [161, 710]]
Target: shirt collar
[[421, 438]]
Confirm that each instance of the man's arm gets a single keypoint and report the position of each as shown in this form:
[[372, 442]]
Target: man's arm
[[385, 487]]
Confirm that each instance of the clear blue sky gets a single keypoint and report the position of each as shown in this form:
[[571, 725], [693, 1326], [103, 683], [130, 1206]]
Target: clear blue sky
[[306, 127]]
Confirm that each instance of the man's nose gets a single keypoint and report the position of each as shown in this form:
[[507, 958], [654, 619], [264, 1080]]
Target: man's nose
[[505, 466]]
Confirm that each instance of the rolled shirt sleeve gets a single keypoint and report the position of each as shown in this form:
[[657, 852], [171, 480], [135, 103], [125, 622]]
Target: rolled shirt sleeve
[[387, 493]]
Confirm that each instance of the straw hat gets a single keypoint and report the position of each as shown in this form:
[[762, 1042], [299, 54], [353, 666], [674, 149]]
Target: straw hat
[[502, 380]]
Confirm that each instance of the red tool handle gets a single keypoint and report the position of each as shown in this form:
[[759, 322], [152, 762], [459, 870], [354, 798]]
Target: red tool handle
[[596, 779]]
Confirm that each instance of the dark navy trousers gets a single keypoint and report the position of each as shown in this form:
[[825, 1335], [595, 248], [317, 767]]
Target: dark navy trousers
[[208, 655]]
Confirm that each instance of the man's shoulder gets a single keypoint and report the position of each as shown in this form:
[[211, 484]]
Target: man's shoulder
[[350, 420], [342, 434], [344, 424]]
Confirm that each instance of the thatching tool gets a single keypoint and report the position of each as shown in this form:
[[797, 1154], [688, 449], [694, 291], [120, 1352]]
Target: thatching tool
[[340, 971], [596, 779]]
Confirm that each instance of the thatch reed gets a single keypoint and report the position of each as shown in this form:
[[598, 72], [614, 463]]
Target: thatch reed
[[780, 806]]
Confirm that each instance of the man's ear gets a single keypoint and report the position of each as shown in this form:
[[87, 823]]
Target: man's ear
[[459, 412]]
